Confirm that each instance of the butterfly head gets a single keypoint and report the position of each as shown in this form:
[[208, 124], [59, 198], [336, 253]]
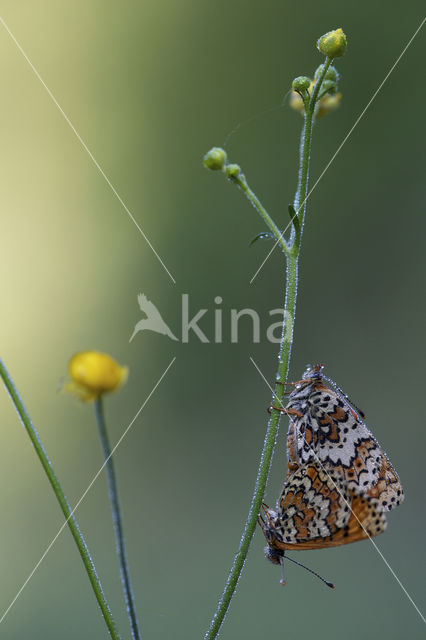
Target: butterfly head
[[303, 388], [313, 372], [274, 555]]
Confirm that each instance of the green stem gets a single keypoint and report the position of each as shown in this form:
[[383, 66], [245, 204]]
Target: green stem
[[318, 85], [63, 502], [292, 253], [305, 149], [241, 181], [302, 187], [266, 456], [117, 522]]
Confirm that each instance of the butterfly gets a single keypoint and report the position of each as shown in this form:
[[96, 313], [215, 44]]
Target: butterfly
[[325, 427], [317, 510]]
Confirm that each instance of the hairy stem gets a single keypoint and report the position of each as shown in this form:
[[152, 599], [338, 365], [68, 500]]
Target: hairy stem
[[292, 254], [117, 522], [241, 181], [305, 148], [266, 457], [63, 502]]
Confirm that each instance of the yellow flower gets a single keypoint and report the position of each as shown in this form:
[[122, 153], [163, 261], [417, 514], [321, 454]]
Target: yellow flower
[[326, 104], [93, 373]]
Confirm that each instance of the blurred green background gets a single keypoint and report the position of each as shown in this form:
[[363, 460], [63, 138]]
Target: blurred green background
[[150, 87]]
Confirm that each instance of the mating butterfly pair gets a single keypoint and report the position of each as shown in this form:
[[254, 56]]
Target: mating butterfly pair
[[340, 482]]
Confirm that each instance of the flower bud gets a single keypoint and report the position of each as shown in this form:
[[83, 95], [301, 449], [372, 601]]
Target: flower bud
[[333, 44], [232, 171], [327, 104], [324, 105], [215, 159], [331, 73], [93, 373], [296, 101], [329, 86], [301, 83]]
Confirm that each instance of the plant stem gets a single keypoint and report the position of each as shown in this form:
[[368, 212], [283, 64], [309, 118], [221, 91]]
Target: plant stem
[[292, 253], [63, 502], [305, 152], [316, 91], [241, 181], [305, 149], [266, 456], [117, 522]]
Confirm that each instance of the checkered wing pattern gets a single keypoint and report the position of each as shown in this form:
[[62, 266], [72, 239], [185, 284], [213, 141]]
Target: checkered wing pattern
[[316, 510], [325, 428]]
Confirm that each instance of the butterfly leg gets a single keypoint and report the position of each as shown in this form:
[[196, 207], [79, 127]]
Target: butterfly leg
[[284, 384], [289, 412], [271, 407], [265, 508]]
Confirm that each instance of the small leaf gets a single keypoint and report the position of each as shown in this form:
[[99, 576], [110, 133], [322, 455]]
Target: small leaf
[[293, 217], [265, 235], [291, 211]]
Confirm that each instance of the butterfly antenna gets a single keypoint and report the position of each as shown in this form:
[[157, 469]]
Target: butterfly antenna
[[327, 582], [344, 396]]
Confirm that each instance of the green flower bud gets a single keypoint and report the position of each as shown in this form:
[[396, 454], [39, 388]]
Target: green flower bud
[[333, 44], [331, 74], [215, 159], [301, 83], [329, 86], [232, 171]]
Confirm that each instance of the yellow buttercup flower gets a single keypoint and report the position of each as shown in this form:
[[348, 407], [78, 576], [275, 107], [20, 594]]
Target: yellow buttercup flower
[[93, 373], [326, 104]]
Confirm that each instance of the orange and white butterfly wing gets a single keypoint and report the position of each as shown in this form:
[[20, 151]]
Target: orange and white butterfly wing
[[324, 427], [317, 510]]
